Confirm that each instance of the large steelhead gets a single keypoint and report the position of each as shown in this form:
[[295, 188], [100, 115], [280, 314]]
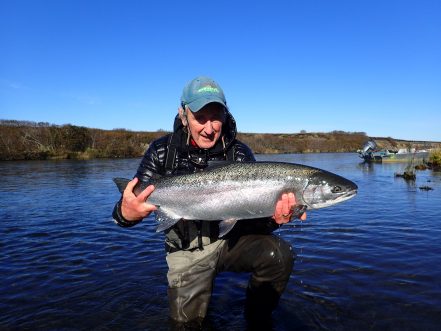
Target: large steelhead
[[235, 191]]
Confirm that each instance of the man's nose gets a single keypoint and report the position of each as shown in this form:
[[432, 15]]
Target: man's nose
[[208, 127]]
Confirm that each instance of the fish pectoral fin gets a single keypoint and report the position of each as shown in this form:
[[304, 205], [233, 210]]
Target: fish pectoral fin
[[165, 220], [225, 226]]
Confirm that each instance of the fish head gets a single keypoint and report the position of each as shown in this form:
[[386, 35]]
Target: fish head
[[324, 189]]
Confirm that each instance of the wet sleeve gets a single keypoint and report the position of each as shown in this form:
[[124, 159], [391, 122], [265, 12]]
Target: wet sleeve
[[118, 217]]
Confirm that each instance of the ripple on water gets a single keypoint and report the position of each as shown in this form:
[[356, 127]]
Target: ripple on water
[[369, 263]]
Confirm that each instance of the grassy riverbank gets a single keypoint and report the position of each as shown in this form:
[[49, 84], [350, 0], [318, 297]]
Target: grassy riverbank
[[24, 140]]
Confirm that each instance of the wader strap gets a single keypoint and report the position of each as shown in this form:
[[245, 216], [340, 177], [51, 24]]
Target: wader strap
[[171, 154], [230, 154], [185, 239], [199, 228]]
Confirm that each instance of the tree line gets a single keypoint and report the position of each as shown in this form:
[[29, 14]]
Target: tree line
[[26, 140]]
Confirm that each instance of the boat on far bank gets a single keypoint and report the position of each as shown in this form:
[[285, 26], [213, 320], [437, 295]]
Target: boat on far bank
[[370, 153]]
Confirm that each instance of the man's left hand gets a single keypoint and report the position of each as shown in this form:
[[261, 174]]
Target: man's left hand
[[284, 209]]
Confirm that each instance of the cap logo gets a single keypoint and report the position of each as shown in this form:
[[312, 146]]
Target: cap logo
[[208, 89]]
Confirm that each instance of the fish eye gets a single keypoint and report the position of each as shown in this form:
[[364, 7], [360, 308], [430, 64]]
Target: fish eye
[[336, 189]]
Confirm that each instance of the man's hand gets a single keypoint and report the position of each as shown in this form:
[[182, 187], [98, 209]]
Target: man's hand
[[135, 208], [284, 209]]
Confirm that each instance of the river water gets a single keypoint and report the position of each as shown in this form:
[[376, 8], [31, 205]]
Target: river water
[[370, 263]]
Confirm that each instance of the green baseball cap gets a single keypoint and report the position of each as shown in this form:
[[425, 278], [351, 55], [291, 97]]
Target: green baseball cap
[[200, 92]]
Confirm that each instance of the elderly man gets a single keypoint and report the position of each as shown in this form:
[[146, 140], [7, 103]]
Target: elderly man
[[204, 130]]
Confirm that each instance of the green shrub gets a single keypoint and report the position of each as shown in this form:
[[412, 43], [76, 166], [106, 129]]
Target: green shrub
[[435, 157]]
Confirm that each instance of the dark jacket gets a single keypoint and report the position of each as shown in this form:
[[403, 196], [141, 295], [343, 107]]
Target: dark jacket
[[170, 155]]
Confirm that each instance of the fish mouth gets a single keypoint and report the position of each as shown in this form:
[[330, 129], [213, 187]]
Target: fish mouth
[[346, 196], [342, 197]]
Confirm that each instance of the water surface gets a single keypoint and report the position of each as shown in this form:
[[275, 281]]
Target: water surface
[[371, 263]]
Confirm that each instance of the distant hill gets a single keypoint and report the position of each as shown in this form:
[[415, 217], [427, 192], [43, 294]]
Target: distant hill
[[395, 144], [26, 140], [312, 142]]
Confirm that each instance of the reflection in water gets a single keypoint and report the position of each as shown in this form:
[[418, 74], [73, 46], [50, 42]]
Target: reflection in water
[[366, 167], [369, 263]]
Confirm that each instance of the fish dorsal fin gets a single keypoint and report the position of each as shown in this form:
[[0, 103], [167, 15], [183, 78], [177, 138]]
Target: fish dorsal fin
[[214, 164], [226, 226]]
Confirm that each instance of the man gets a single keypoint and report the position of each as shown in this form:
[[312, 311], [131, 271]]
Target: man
[[204, 130]]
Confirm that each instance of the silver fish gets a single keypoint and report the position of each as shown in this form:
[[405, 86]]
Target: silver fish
[[234, 191]]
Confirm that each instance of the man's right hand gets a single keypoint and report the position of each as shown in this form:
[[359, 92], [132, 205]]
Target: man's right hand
[[135, 208]]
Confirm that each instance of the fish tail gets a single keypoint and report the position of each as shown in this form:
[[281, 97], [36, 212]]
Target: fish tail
[[121, 183]]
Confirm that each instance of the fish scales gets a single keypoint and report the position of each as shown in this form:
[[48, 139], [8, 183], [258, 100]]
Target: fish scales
[[236, 191]]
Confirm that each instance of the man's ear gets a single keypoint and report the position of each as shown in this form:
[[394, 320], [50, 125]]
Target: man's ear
[[182, 116]]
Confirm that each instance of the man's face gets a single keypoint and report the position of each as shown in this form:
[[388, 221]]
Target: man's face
[[206, 125]]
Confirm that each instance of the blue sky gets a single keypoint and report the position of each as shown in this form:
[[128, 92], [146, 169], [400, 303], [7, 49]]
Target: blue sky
[[285, 66]]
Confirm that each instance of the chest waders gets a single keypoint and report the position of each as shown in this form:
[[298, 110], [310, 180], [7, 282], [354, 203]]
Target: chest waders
[[193, 265]]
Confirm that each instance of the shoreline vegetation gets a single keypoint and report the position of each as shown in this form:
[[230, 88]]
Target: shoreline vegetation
[[27, 140]]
